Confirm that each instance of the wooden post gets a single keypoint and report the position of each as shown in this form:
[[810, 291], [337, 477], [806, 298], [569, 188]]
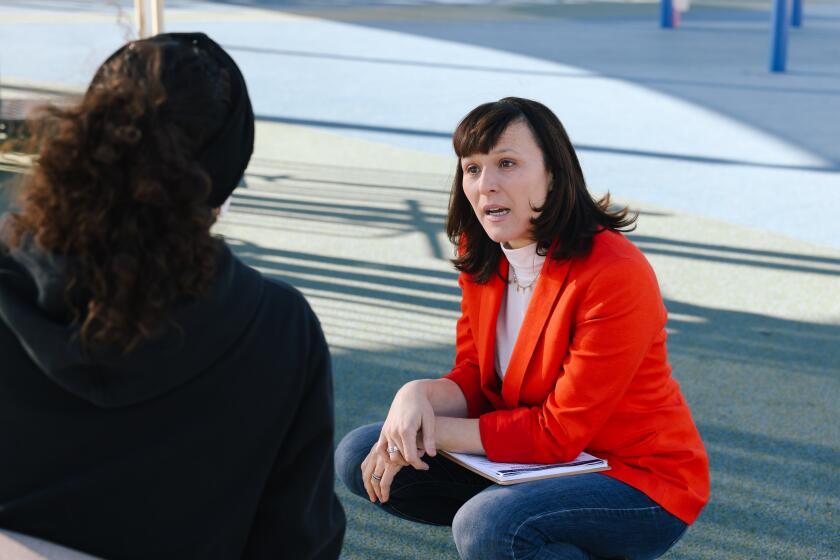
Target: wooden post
[[139, 12], [157, 17]]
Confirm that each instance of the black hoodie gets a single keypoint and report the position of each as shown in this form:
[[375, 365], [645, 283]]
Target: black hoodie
[[212, 442]]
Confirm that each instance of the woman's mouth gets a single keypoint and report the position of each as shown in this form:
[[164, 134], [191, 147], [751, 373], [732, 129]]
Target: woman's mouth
[[496, 213]]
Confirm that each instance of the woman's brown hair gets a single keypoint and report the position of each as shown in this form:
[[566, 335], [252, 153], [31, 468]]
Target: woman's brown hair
[[117, 193], [569, 215]]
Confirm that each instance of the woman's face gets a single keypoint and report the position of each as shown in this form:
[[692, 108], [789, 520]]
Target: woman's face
[[503, 185]]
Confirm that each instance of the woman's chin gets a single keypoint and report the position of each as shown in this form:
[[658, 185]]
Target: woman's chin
[[495, 236], [509, 241]]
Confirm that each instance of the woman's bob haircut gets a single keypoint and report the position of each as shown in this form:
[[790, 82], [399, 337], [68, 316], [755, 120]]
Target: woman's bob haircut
[[570, 216]]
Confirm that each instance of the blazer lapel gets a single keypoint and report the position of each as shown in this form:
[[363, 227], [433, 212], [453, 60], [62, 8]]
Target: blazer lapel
[[488, 312], [546, 292]]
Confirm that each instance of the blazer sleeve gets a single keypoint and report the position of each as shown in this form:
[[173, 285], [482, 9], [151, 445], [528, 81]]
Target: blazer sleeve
[[299, 515], [465, 373], [620, 315]]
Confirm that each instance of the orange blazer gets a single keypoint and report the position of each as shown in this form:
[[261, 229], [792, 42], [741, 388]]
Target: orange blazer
[[589, 371]]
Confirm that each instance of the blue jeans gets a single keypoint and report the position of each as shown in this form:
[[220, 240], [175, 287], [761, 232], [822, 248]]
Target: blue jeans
[[588, 516]]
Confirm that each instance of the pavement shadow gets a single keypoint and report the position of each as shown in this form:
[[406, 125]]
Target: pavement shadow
[[710, 252], [315, 272]]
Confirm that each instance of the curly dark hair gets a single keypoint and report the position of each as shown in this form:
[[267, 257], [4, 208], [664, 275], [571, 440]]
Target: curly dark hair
[[117, 191], [569, 215]]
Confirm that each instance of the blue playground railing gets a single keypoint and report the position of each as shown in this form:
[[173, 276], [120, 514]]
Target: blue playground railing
[[779, 28]]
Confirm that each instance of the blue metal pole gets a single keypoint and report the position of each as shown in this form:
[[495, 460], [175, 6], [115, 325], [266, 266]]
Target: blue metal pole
[[778, 43], [796, 16], [666, 14]]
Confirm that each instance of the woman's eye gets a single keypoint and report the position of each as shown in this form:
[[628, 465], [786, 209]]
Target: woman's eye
[[471, 169], [506, 163]]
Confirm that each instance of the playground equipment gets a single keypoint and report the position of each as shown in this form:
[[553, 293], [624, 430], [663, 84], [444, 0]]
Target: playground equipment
[[669, 18], [156, 13]]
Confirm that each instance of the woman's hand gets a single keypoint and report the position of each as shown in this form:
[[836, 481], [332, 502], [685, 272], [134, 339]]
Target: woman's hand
[[379, 469], [407, 435], [410, 424]]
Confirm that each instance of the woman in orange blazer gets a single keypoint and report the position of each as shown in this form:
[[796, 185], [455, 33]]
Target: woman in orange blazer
[[560, 348]]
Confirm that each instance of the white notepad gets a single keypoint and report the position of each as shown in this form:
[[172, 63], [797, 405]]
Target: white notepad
[[514, 473]]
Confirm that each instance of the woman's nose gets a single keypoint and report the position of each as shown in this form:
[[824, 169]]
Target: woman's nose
[[488, 181]]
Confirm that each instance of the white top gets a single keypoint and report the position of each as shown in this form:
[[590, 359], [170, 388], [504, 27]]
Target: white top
[[527, 264]]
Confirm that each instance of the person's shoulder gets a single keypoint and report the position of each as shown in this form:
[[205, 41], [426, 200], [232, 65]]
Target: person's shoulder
[[281, 289], [280, 292], [272, 293], [284, 308], [613, 254], [610, 246]]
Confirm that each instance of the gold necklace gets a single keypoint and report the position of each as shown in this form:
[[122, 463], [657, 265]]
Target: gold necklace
[[515, 280]]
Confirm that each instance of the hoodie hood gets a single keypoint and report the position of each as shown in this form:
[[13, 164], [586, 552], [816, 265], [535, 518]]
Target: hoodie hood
[[32, 292]]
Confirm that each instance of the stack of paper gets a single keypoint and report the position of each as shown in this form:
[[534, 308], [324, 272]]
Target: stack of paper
[[513, 473]]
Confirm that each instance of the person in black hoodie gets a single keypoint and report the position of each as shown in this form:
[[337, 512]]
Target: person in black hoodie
[[158, 398]]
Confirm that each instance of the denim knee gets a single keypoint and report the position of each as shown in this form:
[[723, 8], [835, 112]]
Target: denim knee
[[350, 453], [477, 531], [487, 527]]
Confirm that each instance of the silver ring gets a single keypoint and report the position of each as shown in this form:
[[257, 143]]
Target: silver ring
[[393, 449], [374, 478]]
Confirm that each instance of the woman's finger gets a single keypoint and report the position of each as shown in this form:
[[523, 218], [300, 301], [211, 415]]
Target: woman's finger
[[391, 471], [409, 452], [397, 459], [375, 481], [394, 451], [366, 472], [408, 447], [376, 478], [368, 468]]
